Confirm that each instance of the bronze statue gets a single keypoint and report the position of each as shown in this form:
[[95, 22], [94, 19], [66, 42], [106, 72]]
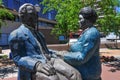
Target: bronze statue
[[84, 54], [31, 55]]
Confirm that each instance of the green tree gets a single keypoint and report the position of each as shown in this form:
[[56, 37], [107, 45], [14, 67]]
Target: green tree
[[68, 10], [0, 2], [67, 14], [4, 14], [111, 20]]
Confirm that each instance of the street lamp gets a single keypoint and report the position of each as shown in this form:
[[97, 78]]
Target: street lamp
[[37, 7]]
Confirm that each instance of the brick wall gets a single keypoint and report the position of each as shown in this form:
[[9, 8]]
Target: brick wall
[[50, 39]]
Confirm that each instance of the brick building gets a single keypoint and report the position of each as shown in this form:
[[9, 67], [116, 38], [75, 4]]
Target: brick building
[[45, 21]]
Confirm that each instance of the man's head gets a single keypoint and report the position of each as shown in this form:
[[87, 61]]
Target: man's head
[[28, 14], [88, 17]]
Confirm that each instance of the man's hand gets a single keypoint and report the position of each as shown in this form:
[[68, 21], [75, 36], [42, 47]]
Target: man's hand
[[45, 68]]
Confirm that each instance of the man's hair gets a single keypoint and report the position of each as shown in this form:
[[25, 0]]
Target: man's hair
[[89, 14], [23, 9]]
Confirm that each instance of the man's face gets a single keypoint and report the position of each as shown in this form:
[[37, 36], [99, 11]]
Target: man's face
[[30, 17], [82, 21]]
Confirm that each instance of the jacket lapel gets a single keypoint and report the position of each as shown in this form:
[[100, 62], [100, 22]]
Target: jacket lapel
[[28, 35]]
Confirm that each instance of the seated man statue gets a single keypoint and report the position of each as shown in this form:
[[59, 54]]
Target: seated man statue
[[84, 54], [30, 53]]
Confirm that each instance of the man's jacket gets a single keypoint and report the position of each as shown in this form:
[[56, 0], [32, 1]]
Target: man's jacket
[[26, 51], [84, 54]]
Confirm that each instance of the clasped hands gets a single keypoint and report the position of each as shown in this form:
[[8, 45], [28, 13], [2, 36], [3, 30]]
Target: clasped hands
[[46, 68]]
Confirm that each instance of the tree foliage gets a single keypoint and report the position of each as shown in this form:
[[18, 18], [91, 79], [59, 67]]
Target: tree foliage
[[67, 14], [111, 20], [68, 10], [4, 14], [0, 2]]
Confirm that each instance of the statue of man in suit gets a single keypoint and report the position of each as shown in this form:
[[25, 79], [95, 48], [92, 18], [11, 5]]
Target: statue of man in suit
[[29, 50]]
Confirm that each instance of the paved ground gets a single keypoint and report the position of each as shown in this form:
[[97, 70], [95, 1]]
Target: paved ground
[[109, 72], [110, 52]]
